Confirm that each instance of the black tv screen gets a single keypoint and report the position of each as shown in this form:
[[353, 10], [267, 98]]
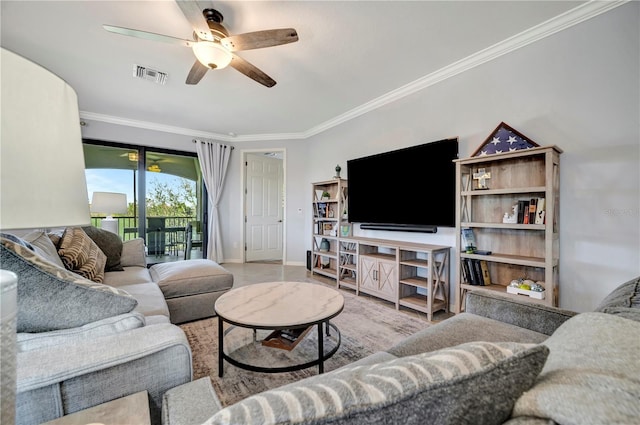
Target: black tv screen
[[406, 189]]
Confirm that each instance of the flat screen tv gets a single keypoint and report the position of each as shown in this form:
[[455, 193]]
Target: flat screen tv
[[409, 189]]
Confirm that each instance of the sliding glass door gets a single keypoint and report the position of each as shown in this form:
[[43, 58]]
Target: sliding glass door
[[172, 201], [164, 195]]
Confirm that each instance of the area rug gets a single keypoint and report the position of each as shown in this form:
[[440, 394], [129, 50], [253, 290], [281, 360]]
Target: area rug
[[367, 325]]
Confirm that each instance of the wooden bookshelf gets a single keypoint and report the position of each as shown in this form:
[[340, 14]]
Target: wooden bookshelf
[[519, 250]]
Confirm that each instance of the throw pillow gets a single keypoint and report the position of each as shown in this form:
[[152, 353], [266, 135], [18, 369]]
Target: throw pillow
[[110, 244], [105, 327], [81, 255], [625, 295], [51, 297], [591, 375], [133, 253], [44, 246], [473, 383]]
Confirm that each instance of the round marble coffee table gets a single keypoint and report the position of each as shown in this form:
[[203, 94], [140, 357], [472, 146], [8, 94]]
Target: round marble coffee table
[[279, 306]]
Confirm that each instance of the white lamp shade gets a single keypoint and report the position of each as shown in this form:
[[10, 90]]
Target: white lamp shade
[[212, 55], [41, 159], [109, 203]]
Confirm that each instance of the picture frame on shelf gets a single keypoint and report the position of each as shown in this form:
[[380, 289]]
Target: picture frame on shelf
[[468, 241], [328, 229], [345, 230]]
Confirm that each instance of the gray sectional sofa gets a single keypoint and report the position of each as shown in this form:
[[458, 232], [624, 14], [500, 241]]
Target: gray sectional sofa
[[502, 361], [82, 343]]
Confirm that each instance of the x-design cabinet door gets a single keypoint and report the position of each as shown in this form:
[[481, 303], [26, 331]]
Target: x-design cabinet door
[[368, 272], [388, 279]]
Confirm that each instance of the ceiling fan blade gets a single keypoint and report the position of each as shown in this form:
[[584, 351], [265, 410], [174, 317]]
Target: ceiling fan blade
[[251, 71], [148, 35], [260, 39], [193, 12], [196, 73]]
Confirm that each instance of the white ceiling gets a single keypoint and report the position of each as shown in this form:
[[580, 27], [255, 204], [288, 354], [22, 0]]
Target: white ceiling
[[352, 56]]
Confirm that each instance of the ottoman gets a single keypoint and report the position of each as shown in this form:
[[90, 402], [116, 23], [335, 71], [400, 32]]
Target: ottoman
[[191, 287]]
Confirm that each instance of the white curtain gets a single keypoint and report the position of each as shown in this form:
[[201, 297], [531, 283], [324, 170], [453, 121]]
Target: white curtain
[[214, 160]]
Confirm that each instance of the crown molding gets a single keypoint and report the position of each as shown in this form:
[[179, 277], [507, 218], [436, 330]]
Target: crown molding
[[556, 24]]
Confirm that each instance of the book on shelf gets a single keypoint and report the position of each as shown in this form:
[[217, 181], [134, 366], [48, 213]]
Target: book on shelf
[[473, 274], [468, 240], [477, 271], [532, 210], [484, 268], [523, 206], [540, 212], [464, 266]]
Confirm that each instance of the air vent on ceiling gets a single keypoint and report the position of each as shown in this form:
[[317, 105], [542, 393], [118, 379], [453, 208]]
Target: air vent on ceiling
[[149, 74]]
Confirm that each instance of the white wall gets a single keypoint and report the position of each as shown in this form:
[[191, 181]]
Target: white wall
[[578, 89]]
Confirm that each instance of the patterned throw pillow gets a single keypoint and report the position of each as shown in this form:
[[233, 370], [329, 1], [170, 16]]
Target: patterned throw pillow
[[110, 244], [51, 297], [81, 255], [473, 383]]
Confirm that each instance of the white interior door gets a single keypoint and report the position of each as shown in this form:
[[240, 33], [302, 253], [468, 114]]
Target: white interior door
[[263, 208]]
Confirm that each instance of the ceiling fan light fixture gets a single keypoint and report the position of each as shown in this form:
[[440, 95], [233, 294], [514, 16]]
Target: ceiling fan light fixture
[[212, 55]]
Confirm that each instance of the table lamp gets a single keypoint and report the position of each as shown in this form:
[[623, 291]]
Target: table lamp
[[42, 179], [109, 203]]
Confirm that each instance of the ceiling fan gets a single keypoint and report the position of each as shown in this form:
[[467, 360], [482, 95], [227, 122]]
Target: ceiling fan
[[213, 46]]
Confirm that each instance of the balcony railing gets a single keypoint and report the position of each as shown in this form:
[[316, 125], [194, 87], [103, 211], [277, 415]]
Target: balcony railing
[[165, 235], [128, 226]]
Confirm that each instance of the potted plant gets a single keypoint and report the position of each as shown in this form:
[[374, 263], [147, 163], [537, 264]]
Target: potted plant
[[325, 196]]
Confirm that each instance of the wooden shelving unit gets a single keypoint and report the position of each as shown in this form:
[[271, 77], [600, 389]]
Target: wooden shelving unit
[[328, 217], [424, 279], [518, 250], [348, 265], [410, 275]]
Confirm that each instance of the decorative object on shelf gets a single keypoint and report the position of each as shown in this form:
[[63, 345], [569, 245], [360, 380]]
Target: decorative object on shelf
[[330, 213], [319, 193], [527, 287], [345, 230], [324, 245], [325, 195], [513, 217], [481, 176], [504, 139], [538, 286], [338, 169]]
